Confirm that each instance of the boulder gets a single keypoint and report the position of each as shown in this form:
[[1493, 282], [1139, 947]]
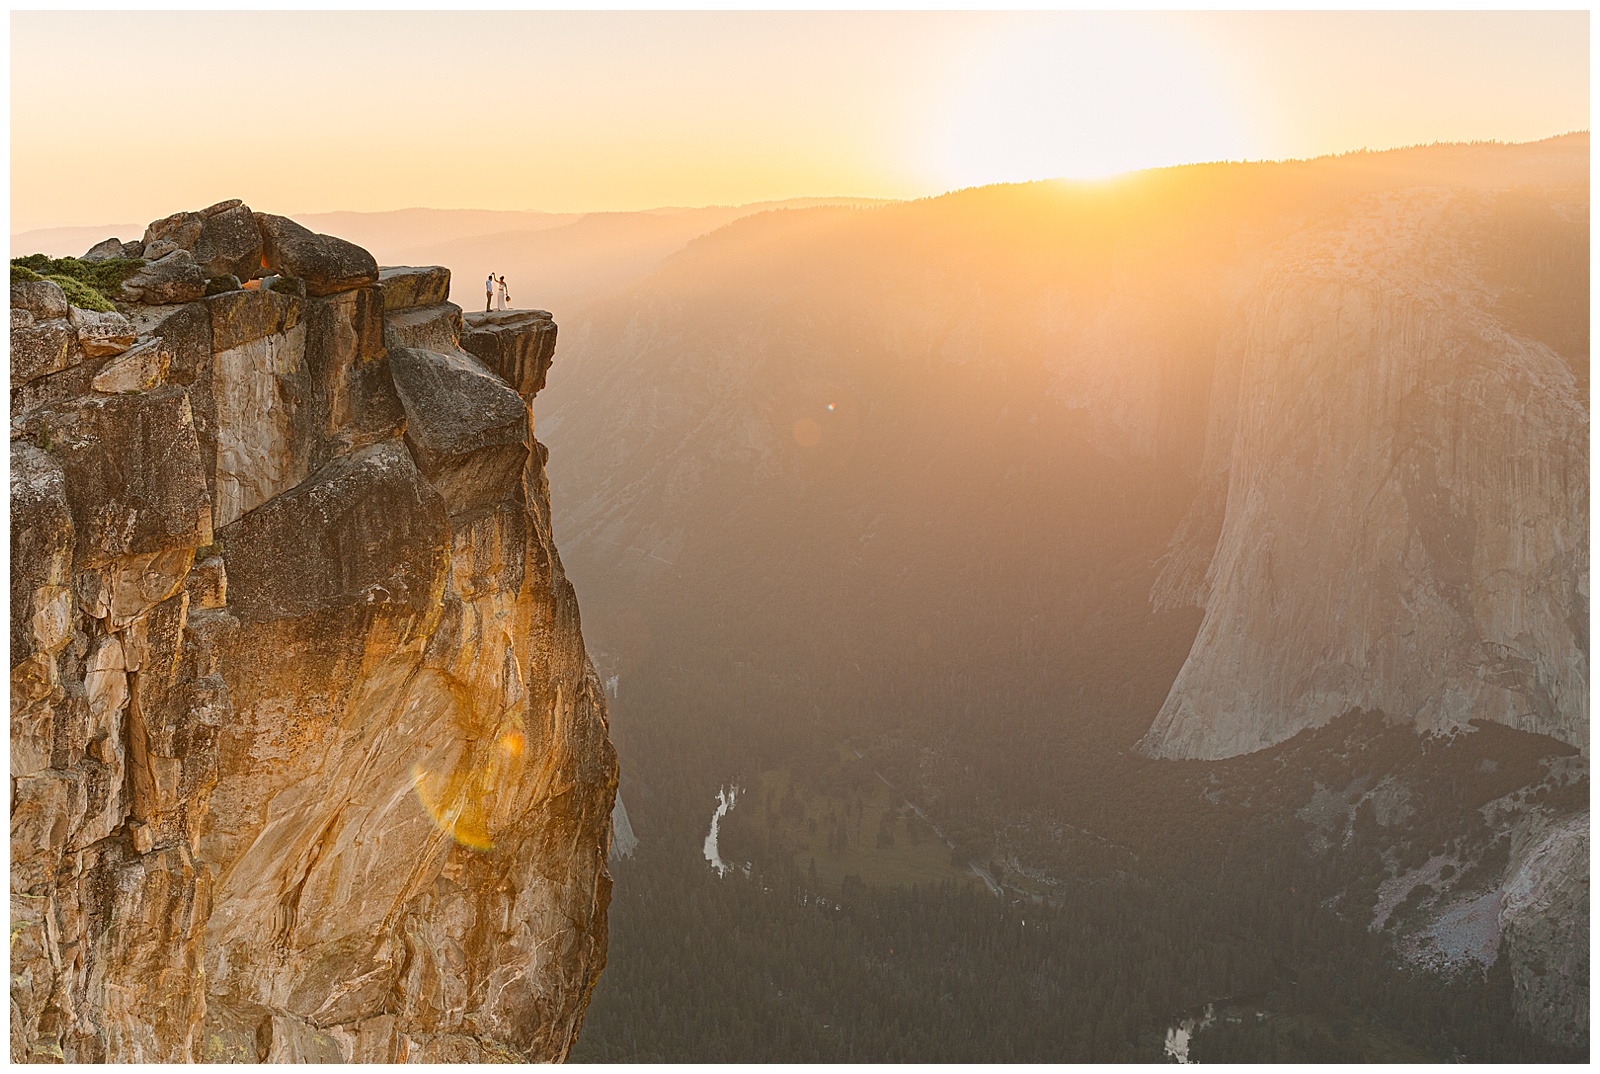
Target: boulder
[[134, 249], [185, 334], [468, 431], [327, 264], [100, 334], [218, 285], [221, 207], [104, 250], [160, 248], [42, 298], [181, 229], [229, 244], [364, 531], [173, 278], [119, 591], [40, 349], [407, 286], [138, 370]]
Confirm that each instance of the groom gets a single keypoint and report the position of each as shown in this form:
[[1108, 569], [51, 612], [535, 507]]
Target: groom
[[488, 293]]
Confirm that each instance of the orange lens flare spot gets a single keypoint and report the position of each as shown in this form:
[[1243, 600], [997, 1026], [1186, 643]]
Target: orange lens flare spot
[[458, 805], [512, 743]]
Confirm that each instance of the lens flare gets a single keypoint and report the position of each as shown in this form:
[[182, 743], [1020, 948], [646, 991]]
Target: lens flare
[[457, 805], [462, 798]]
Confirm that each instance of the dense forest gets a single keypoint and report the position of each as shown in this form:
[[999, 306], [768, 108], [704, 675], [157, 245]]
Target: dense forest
[[765, 970], [1127, 905]]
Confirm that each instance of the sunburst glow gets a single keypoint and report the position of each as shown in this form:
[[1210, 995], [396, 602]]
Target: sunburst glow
[[1089, 97]]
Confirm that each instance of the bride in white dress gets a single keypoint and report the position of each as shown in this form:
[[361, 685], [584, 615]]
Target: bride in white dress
[[502, 295]]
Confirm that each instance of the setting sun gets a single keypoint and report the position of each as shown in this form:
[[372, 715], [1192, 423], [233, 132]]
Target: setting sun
[[1083, 99]]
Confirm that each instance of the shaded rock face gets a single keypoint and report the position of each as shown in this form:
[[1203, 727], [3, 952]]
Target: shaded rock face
[[1397, 502], [309, 762]]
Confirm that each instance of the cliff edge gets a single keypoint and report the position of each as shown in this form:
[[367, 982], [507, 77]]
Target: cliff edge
[[309, 762]]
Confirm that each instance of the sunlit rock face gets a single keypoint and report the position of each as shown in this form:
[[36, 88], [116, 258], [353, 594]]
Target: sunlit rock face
[[1544, 918], [1396, 512], [309, 762]]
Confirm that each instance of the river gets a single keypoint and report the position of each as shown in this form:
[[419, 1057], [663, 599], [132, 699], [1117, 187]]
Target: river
[[1179, 1036], [726, 797]]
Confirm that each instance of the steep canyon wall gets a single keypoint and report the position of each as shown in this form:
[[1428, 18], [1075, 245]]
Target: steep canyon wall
[[1394, 512], [308, 759]]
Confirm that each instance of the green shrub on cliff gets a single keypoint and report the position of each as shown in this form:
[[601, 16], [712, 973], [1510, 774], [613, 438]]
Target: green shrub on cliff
[[89, 285], [81, 294]]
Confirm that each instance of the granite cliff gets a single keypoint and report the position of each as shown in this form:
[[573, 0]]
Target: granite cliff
[[309, 761], [1394, 512], [1394, 517]]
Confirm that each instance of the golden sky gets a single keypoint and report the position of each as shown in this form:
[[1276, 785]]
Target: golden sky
[[127, 116]]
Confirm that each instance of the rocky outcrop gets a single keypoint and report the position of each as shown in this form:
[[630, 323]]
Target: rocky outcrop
[[309, 762], [1396, 507], [518, 345], [229, 243]]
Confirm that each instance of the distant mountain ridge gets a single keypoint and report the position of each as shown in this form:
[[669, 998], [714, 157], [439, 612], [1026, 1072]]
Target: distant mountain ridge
[[550, 259]]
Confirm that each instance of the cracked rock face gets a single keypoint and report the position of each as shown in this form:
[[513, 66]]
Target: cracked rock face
[[309, 762]]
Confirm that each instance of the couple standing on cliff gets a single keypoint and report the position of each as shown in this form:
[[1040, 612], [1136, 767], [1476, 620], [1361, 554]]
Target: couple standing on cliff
[[495, 293]]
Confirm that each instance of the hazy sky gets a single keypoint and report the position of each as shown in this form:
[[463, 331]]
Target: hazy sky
[[127, 116]]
